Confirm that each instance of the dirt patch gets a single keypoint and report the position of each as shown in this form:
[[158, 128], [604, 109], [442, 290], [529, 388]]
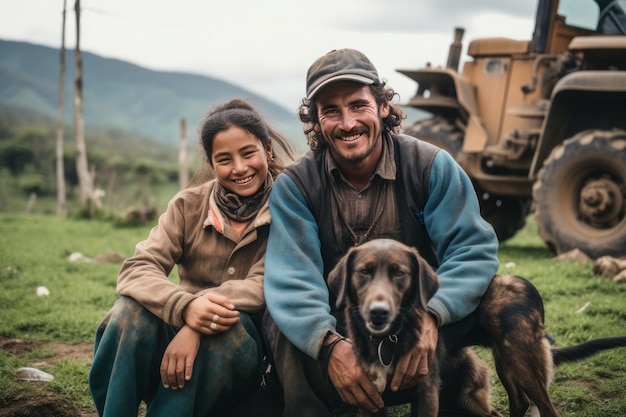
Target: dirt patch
[[82, 352], [46, 405], [49, 406]]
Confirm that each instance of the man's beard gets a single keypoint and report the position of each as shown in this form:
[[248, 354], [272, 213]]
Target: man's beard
[[358, 157]]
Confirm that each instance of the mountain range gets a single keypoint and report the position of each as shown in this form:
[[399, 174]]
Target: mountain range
[[125, 96]]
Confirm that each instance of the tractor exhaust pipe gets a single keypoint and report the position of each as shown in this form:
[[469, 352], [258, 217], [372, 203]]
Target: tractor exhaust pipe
[[454, 55]]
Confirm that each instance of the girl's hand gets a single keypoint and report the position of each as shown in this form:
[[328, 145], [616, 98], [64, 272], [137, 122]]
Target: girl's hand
[[177, 362], [210, 314]]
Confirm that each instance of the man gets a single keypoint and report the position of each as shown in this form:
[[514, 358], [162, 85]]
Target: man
[[361, 181]]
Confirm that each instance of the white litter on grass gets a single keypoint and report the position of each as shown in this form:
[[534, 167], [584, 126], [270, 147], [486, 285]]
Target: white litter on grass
[[33, 374], [584, 307], [42, 292], [510, 265], [78, 257]]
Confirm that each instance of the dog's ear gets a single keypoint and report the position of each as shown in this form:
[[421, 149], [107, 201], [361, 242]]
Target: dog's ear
[[425, 279], [338, 278]]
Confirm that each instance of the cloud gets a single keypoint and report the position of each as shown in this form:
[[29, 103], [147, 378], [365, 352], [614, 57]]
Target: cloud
[[410, 16], [267, 46]]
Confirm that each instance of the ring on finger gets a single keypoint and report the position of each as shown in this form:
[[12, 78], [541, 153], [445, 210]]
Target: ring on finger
[[215, 318], [213, 326]]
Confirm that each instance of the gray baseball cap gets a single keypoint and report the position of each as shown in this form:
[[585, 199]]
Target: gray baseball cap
[[339, 65]]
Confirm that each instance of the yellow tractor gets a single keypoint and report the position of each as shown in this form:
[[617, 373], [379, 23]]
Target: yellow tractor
[[540, 125]]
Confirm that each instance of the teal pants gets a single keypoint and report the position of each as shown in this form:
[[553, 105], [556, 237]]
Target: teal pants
[[129, 345]]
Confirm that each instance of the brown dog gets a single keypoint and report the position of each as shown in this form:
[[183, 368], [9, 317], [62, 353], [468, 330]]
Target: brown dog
[[383, 288]]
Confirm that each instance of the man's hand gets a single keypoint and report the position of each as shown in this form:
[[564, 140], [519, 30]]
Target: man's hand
[[415, 363], [353, 386], [210, 314], [177, 362]]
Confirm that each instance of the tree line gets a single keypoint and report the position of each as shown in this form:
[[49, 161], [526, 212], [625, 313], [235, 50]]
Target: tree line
[[118, 159]]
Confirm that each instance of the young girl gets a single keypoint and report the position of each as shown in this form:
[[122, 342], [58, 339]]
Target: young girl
[[192, 348]]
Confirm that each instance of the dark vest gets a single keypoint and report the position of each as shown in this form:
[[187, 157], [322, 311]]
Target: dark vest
[[413, 159]]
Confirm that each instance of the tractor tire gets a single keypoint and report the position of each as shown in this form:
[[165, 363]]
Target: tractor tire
[[438, 131], [579, 197], [506, 214]]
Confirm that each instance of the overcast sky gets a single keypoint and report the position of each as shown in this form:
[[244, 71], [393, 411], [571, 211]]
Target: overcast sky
[[266, 46]]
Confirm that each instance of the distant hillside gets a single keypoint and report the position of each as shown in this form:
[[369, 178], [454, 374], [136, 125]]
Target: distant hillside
[[118, 94]]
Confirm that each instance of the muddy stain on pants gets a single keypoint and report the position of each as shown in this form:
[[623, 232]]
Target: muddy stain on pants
[[129, 345]]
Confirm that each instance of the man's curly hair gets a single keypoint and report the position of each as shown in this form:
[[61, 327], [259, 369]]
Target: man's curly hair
[[307, 113]]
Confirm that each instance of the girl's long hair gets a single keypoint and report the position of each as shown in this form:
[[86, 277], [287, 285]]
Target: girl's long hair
[[240, 113]]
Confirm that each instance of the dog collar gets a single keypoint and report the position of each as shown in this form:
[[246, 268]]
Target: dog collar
[[387, 351]]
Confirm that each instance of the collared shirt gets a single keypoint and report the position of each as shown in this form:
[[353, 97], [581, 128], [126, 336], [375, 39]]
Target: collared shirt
[[362, 215]]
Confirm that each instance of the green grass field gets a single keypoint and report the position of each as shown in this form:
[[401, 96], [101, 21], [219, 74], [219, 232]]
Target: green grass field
[[34, 252]]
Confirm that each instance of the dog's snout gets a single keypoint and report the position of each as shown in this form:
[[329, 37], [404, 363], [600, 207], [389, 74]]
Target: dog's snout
[[379, 313]]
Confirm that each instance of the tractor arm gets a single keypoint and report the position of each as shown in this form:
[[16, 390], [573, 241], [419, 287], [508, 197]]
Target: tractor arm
[[442, 92]]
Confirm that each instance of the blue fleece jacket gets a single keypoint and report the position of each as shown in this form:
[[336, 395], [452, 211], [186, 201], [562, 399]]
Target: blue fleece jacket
[[295, 289]]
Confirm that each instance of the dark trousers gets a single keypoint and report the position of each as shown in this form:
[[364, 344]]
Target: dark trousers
[[129, 345]]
